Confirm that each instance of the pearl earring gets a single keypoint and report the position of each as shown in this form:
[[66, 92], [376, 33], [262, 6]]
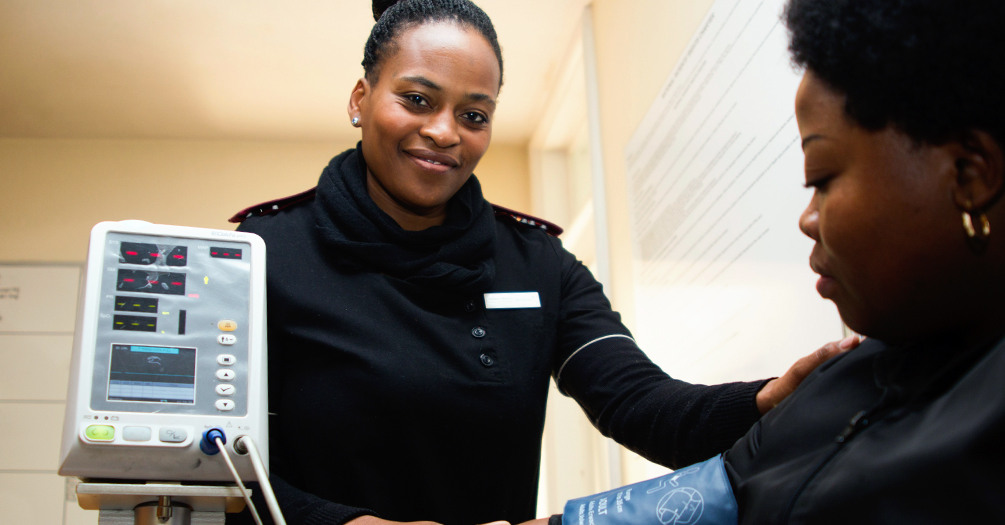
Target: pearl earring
[[355, 121]]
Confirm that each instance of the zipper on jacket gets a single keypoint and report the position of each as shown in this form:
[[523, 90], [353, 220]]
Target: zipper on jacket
[[855, 424]]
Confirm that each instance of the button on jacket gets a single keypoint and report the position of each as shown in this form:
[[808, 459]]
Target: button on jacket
[[416, 402]]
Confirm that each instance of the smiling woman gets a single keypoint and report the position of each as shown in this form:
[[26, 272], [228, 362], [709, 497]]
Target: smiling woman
[[427, 121], [414, 327]]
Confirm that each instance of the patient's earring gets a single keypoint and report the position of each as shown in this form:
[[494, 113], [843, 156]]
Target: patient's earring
[[355, 121], [977, 236]]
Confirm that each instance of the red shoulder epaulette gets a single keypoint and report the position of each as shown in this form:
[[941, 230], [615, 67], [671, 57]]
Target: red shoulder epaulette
[[522, 218], [266, 208], [273, 206]]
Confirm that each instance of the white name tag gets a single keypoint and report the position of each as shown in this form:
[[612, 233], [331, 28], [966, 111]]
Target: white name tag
[[500, 301]]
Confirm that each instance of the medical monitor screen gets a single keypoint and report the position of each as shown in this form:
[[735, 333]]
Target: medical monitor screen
[[153, 374], [165, 283]]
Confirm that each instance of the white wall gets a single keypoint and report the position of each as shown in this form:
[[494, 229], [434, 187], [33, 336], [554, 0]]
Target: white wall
[[638, 43], [37, 311]]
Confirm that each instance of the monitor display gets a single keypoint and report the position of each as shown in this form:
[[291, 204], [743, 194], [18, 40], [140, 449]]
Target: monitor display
[[154, 374], [164, 283]]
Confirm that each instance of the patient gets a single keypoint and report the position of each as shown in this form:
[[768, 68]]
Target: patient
[[903, 125], [902, 116]]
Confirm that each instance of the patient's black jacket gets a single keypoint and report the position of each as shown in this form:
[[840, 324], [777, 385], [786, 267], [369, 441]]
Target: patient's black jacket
[[884, 434]]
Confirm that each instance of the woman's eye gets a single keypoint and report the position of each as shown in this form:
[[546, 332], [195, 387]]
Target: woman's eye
[[476, 117], [417, 100], [818, 184]]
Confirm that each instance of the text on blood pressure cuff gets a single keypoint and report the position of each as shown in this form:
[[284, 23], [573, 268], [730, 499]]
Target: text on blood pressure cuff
[[695, 495]]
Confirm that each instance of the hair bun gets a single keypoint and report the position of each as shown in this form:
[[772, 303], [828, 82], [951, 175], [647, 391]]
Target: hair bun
[[379, 6]]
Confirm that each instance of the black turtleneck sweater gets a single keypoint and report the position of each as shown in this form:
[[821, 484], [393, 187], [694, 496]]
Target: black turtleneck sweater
[[396, 392]]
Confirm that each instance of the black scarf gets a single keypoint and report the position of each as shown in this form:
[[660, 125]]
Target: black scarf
[[456, 256]]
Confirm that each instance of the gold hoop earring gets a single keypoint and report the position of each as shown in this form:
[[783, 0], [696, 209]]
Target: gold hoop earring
[[977, 236]]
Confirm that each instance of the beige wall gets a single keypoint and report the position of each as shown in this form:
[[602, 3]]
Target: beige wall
[[54, 190], [504, 173], [637, 44]]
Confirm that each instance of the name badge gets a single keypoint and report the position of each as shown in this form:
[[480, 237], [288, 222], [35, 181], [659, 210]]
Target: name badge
[[508, 300]]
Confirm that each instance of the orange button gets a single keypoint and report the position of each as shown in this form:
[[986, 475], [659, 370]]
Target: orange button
[[227, 325]]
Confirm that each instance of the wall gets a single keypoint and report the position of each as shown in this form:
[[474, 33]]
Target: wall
[[53, 190], [504, 174], [637, 45], [37, 312]]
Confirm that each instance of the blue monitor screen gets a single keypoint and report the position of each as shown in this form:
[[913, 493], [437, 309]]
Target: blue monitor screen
[[154, 374]]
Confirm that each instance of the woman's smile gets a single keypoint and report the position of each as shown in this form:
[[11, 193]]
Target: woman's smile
[[432, 161]]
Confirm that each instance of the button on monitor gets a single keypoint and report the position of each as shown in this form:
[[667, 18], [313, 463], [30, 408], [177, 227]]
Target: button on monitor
[[225, 374], [227, 325], [224, 405], [226, 359], [226, 339], [100, 433], [136, 433], [172, 435]]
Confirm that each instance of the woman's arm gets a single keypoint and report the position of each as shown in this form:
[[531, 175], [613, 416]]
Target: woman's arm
[[630, 399]]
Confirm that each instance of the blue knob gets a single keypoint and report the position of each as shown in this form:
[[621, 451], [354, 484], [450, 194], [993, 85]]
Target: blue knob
[[208, 443]]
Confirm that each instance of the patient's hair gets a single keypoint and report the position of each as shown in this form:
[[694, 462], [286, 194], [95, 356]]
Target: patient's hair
[[932, 68], [393, 17]]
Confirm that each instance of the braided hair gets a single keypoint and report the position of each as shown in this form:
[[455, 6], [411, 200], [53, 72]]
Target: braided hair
[[931, 68], [395, 16]]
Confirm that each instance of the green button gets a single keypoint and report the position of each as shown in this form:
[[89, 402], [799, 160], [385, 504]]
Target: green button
[[100, 432]]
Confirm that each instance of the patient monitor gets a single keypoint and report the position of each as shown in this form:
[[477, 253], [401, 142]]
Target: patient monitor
[[170, 344]]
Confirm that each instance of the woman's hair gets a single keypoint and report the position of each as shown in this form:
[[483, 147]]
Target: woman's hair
[[393, 17], [932, 68]]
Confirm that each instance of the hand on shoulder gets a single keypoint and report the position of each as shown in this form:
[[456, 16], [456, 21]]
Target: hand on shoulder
[[779, 388]]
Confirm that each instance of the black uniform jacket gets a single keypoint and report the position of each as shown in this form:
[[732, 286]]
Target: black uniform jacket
[[419, 403], [908, 434]]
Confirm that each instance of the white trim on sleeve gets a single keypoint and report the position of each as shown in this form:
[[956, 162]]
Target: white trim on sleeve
[[558, 376]]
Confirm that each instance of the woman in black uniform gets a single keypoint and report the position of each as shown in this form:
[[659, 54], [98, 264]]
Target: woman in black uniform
[[414, 327]]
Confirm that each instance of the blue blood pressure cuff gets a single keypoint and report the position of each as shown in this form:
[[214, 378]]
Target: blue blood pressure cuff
[[699, 494]]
